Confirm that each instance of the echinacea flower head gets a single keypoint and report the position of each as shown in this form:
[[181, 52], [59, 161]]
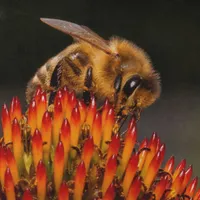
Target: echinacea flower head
[[69, 150]]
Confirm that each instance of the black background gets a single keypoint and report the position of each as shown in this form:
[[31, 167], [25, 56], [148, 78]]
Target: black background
[[169, 30]]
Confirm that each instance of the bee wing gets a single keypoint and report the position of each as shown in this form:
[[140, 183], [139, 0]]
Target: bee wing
[[80, 33]]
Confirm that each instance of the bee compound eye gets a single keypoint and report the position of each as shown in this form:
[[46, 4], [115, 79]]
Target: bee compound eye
[[131, 85]]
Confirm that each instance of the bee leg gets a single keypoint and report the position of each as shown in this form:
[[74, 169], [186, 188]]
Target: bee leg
[[57, 73], [117, 87], [87, 86], [121, 117], [55, 81], [137, 113], [119, 123]]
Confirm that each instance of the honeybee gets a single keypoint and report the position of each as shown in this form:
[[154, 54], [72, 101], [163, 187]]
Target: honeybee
[[116, 69]]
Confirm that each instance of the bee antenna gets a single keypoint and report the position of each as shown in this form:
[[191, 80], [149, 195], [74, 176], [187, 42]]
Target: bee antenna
[[117, 55]]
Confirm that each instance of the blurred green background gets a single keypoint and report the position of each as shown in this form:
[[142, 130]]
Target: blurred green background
[[169, 30]]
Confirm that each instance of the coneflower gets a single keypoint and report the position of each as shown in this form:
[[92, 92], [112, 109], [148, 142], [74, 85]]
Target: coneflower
[[70, 151]]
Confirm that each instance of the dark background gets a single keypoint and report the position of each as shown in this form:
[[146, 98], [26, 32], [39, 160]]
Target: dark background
[[168, 30]]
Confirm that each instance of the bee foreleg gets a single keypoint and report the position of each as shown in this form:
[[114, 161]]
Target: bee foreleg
[[87, 85], [137, 113], [121, 117], [117, 86], [123, 114]]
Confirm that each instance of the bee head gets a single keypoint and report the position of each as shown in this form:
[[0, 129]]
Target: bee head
[[141, 92], [140, 83]]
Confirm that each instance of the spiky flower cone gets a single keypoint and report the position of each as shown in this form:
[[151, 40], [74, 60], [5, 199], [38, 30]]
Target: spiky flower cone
[[70, 151]]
